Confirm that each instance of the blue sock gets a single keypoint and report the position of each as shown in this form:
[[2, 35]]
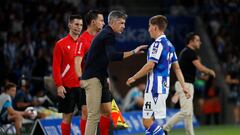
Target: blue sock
[[154, 129]]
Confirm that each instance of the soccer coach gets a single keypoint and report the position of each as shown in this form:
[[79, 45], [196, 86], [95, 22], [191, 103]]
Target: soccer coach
[[94, 77]]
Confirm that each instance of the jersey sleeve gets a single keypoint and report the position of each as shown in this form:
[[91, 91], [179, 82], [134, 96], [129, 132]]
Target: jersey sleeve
[[57, 61], [155, 51], [173, 55], [193, 56], [7, 104]]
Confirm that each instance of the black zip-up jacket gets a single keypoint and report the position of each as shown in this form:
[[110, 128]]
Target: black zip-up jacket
[[102, 51]]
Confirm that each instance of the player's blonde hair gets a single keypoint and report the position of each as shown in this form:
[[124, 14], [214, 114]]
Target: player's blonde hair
[[159, 20]]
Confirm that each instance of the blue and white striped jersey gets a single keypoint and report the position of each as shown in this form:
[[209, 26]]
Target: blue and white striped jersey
[[161, 52]]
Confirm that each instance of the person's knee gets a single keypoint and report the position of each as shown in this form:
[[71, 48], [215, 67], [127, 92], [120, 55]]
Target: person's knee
[[106, 113], [93, 118], [106, 109], [84, 112], [67, 118], [93, 114], [186, 113], [18, 119]]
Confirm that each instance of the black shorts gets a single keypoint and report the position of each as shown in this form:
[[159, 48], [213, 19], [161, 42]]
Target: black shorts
[[106, 94], [72, 98]]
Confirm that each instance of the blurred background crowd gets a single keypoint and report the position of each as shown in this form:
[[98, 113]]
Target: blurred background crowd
[[30, 28]]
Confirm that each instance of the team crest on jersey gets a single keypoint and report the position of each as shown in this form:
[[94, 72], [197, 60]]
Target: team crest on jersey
[[155, 48], [154, 51], [165, 85]]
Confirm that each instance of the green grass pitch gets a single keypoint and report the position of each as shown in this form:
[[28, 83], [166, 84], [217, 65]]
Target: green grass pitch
[[210, 130]]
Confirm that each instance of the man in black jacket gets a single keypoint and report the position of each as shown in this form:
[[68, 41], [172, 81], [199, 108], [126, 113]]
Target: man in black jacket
[[94, 78]]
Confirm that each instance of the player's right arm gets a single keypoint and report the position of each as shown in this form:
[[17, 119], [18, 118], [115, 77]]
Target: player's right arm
[[202, 68], [142, 72], [57, 61]]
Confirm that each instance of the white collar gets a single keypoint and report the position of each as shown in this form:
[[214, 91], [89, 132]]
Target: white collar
[[160, 37]]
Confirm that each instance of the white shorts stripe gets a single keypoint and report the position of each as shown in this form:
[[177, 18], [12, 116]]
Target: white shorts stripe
[[159, 84], [150, 83]]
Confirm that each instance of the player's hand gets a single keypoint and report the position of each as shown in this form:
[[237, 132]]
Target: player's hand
[[140, 49], [130, 81], [186, 92], [61, 91], [212, 73]]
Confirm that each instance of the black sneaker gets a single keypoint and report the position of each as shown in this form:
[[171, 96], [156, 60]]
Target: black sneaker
[[165, 132]]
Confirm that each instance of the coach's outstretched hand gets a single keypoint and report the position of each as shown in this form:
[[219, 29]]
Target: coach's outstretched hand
[[140, 49]]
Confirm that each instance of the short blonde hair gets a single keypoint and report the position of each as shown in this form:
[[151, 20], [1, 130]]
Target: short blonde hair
[[159, 20]]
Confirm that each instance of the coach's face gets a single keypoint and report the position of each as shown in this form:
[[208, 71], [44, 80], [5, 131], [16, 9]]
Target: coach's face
[[119, 25], [75, 26]]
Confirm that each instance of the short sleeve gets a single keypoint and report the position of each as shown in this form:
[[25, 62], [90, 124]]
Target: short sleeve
[[155, 51], [193, 56], [173, 55], [7, 104]]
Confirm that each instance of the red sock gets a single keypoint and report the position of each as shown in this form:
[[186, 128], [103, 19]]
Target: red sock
[[104, 125], [66, 128], [83, 126]]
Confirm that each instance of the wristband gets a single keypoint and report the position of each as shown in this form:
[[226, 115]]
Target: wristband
[[133, 52]]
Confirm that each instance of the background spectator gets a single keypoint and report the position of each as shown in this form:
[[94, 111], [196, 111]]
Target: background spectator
[[134, 98]]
